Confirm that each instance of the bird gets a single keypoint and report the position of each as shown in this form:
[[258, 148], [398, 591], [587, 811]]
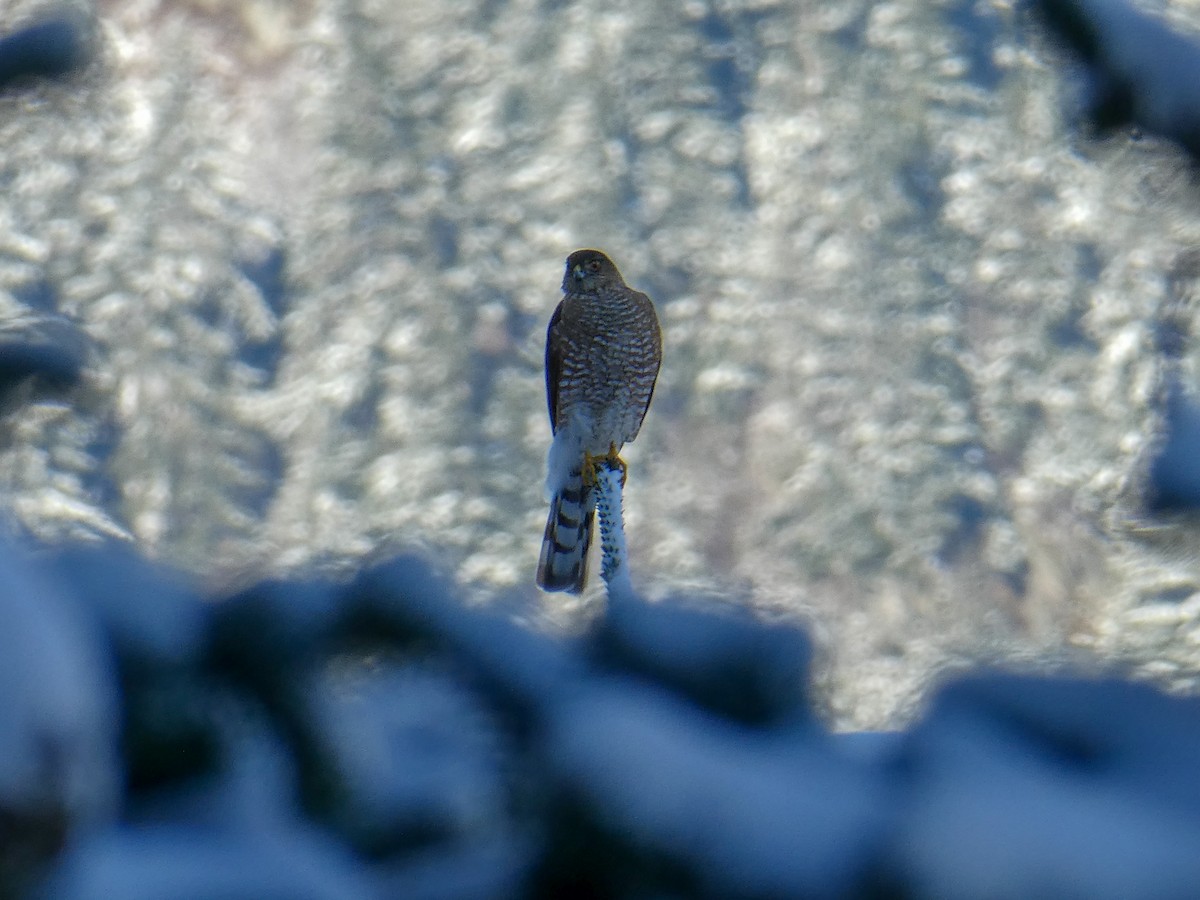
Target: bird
[[603, 352]]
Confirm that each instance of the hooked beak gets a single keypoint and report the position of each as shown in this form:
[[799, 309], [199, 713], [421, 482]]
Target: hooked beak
[[577, 273]]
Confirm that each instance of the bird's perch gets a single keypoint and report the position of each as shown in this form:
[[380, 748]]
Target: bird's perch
[[614, 556]]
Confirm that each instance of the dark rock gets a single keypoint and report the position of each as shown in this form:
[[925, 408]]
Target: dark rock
[[725, 661], [151, 613], [1174, 476], [1140, 71], [1050, 787], [59, 766], [381, 738], [420, 760], [520, 671], [50, 347], [1106, 729], [52, 48], [179, 862], [659, 798]]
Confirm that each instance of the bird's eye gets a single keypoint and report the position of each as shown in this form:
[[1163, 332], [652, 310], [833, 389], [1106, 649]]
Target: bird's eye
[[594, 265]]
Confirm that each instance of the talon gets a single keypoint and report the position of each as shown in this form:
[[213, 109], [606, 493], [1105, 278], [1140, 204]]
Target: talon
[[592, 464], [615, 460]]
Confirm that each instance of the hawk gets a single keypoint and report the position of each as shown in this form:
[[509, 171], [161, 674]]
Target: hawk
[[603, 350]]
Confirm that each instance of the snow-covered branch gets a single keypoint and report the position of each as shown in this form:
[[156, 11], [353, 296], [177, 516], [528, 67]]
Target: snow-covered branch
[[614, 564]]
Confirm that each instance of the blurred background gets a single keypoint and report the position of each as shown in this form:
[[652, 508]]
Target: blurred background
[[914, 371]]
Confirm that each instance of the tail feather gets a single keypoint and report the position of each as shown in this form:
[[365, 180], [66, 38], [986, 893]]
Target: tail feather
[[562, 565]]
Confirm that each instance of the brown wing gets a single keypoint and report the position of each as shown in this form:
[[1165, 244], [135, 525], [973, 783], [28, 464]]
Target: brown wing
[[553, 365], [658, 353], [646, 408]]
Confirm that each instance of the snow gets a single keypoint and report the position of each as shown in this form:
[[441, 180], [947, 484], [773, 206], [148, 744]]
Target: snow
[[752, 814], [182, 862], [58, 700], [400, 743]]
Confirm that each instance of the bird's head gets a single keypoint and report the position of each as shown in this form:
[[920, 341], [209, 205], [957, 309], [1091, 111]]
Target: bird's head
[[586, 269]]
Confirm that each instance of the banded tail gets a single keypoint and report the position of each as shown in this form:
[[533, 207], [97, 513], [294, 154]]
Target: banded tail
[[562, 565]]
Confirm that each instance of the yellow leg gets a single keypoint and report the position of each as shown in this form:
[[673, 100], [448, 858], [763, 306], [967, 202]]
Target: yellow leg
[[592, 463], [614, 459]]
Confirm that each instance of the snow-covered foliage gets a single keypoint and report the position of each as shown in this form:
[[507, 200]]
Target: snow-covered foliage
[[379, 738]]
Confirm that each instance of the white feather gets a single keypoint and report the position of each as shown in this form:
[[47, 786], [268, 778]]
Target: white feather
[[566, 454]]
